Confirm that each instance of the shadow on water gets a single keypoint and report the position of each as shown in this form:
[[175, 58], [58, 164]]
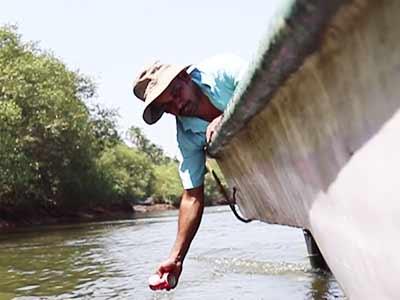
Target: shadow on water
[[323, 286]]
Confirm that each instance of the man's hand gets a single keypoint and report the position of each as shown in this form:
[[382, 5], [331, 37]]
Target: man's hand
[[170, 267], [212, 127]]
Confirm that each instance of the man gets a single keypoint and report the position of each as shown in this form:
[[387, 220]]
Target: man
[[197, 95]]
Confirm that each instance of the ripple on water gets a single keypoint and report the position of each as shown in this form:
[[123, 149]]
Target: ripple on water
[[236, 265], [27, 288]]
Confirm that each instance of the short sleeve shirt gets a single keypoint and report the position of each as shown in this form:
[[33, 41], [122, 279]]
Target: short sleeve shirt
[[218, 78]]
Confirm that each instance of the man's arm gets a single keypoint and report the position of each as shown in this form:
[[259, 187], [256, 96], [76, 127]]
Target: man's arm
[[190, 213]]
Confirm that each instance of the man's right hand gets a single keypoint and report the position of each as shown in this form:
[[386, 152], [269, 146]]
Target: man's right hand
[[172, 267]]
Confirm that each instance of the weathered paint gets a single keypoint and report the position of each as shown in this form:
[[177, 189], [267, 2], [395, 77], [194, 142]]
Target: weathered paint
[[324, 153]]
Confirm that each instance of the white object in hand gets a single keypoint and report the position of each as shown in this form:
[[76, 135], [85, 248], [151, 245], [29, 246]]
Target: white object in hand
[[167, 281]]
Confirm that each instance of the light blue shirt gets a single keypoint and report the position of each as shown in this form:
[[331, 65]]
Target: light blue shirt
[[218, 78]]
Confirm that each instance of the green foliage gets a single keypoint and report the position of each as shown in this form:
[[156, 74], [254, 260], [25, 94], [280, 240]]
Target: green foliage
[[212, 192], [104, 125], [56, 151], [167, 185], [15, 168], [53, 142], [128, 172], [136, 136]]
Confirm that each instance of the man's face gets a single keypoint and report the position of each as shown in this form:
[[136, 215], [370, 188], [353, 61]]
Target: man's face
[[181, 98]]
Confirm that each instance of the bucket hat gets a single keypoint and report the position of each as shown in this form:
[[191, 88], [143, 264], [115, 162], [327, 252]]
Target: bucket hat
[[151, 83]]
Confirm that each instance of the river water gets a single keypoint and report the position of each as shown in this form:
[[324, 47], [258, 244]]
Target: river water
[[113, 260]]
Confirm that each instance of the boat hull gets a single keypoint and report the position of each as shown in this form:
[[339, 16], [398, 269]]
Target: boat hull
[[324, 153]]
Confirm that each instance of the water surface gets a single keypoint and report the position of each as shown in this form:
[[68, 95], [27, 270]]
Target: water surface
[[113, 260]]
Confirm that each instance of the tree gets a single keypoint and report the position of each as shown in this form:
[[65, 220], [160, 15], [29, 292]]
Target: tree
[[104, 125], [167, 185], [142, 143], [128, 172], [15, 169], [51, 131], [56, 151]]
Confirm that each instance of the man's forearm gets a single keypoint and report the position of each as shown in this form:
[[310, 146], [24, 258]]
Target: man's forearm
[[190, 213]]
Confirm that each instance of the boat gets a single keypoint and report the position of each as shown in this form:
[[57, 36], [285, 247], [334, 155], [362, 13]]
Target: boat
[[311, 138]]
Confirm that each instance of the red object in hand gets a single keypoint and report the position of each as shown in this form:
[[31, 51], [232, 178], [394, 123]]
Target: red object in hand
[[167, 281]]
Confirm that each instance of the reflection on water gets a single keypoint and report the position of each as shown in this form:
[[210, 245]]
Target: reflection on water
[[113, 260], [43, 263]]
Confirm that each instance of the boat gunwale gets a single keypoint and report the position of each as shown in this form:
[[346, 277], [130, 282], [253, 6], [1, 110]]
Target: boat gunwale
[[294, 35]]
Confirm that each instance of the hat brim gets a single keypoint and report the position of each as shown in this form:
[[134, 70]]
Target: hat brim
[[151, 113]]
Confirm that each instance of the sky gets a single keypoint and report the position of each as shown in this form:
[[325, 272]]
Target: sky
[[111, 42]]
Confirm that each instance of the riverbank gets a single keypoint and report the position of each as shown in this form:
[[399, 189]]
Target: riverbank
[[152, 208], [12, 218]]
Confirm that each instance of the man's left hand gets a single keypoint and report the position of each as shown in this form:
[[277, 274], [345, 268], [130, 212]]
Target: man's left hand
[[212, 127]]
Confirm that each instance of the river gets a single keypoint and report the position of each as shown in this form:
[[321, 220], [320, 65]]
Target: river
[[113, 260]]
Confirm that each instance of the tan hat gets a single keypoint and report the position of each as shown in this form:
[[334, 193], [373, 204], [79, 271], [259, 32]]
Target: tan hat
[[151, 83]]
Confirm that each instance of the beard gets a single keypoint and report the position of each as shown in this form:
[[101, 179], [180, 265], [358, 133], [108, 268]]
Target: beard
[[191, 108]]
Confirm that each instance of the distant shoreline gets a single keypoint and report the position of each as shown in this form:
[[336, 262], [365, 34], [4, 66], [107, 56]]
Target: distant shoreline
[[150, 208], [13, 219]]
